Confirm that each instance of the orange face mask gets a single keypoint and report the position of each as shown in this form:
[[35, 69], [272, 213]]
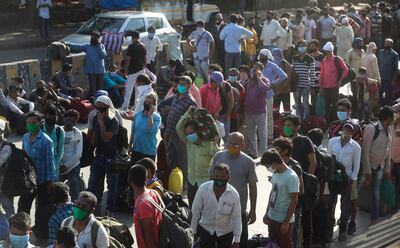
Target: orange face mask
[[233, 150]]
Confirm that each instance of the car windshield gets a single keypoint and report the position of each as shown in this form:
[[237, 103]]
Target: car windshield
[[101, 24]]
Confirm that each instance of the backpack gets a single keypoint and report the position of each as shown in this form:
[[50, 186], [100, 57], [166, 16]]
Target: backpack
[[351, 75], [174, 231], [340, 178], [311, 191], [87, 157], [20, 175], [118, 233], [175, 203], [324, 170], [58, 51]]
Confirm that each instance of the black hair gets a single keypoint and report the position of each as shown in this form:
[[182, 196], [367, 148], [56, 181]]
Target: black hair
[[36, 114], [96, 33], [133, 34], [362, 70], [51, 110], [293, 119], [59, 192], [151, 28], [315, 42], [148, 163], [144, 78], [172, 62], [215, 67], [137, 175], [345, 103], [260, 65], [222, 167], [244, 68], [66, 236], [67, 67], [90, 196], [386, 113], [233, 18], [316, 136], [21, 221], [271, 156], [284, 144], [72, 113], [190, 74], [234, 70]]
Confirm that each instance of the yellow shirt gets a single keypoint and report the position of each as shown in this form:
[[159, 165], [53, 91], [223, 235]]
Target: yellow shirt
[[251, 43]]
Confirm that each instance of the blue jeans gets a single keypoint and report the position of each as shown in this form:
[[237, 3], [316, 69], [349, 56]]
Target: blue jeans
[[201, 69], [301, 98], [102, 167], [377, 175], [7, 203], [44, 27], [74, 182]]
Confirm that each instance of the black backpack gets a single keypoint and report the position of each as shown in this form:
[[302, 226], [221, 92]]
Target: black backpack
[[324, 170], [20, 175], [175, 203], [174, 232], [311, 191], [340, 178], [351, 75]]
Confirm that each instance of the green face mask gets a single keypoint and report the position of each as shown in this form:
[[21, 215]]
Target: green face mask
[[79, 213], [288, 131], [219, 183], [32, 127]]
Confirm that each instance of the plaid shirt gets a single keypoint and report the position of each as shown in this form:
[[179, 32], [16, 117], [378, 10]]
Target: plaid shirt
[[179, 106], [42, 154], [57, 218]]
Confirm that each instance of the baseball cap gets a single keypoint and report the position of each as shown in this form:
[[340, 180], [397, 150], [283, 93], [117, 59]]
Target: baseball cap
[[217, 77]]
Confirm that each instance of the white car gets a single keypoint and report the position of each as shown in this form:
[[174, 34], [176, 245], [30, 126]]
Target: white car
[[122, 21]]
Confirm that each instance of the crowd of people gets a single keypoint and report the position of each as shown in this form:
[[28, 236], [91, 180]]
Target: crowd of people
[[215, 122]]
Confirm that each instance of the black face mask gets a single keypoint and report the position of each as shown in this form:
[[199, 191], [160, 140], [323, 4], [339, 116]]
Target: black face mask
[[263, 60], [312, 50], [102, 110], [146, 106], [218, 22], [387, 48], [40, 91], [359, 47]]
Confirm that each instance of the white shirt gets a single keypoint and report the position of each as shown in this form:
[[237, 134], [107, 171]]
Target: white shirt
[[16, 105], [217, 216], [84, 238], [152, 47], [73, 145], [270, 31], [349, 155], [44, 12], [310, 26], [286, 41]]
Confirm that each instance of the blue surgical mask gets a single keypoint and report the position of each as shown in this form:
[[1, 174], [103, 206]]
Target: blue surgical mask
[[302, 49], [341, 115], [232, 78], [182, 89], [192, 137], [151, 36], [19, 241]]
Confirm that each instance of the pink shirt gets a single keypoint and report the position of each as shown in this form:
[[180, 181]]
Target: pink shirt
[[365, 31], [194, 91], [210, 99], [329, 74]]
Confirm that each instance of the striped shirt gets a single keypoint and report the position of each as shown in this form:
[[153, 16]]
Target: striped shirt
[[305, 70], [376, 21], [179, 106]]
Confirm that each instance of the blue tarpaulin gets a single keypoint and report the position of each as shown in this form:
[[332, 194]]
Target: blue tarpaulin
[[118, 4]]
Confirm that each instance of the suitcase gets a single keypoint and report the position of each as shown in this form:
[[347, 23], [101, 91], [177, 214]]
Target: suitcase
[[84, 107]]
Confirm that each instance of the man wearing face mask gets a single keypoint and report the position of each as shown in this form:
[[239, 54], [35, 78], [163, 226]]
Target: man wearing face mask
[[39, 148], [238, 100], [282, 200], [42, 96], [348, 152], [388, 61], [175, 148], [216, 211], [303, 152], [215, 30], [95, 55], [174, 47], [84, 223], [376, 148], [210, 94], [73, 147], [203, 45], [343, 113], [153, 45], [56, 134], [243, 179], [276, 76], [20, 230], [105, 127], [271, 32], [201, 149]]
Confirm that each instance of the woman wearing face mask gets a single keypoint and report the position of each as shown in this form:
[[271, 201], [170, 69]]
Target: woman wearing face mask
[[145, 125], [115, 85], [201, 148], [256, 110], [144, 87], [304, 66]]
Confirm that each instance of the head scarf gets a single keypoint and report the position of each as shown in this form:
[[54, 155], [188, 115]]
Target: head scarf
[[107, 101]]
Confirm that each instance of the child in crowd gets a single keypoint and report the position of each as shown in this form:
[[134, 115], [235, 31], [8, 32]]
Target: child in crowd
[[152, 182], [20, 230]]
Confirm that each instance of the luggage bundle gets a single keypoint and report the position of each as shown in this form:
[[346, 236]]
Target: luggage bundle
[[205, 124]]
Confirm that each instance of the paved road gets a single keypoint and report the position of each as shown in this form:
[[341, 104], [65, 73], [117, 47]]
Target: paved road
[[263, 186]]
